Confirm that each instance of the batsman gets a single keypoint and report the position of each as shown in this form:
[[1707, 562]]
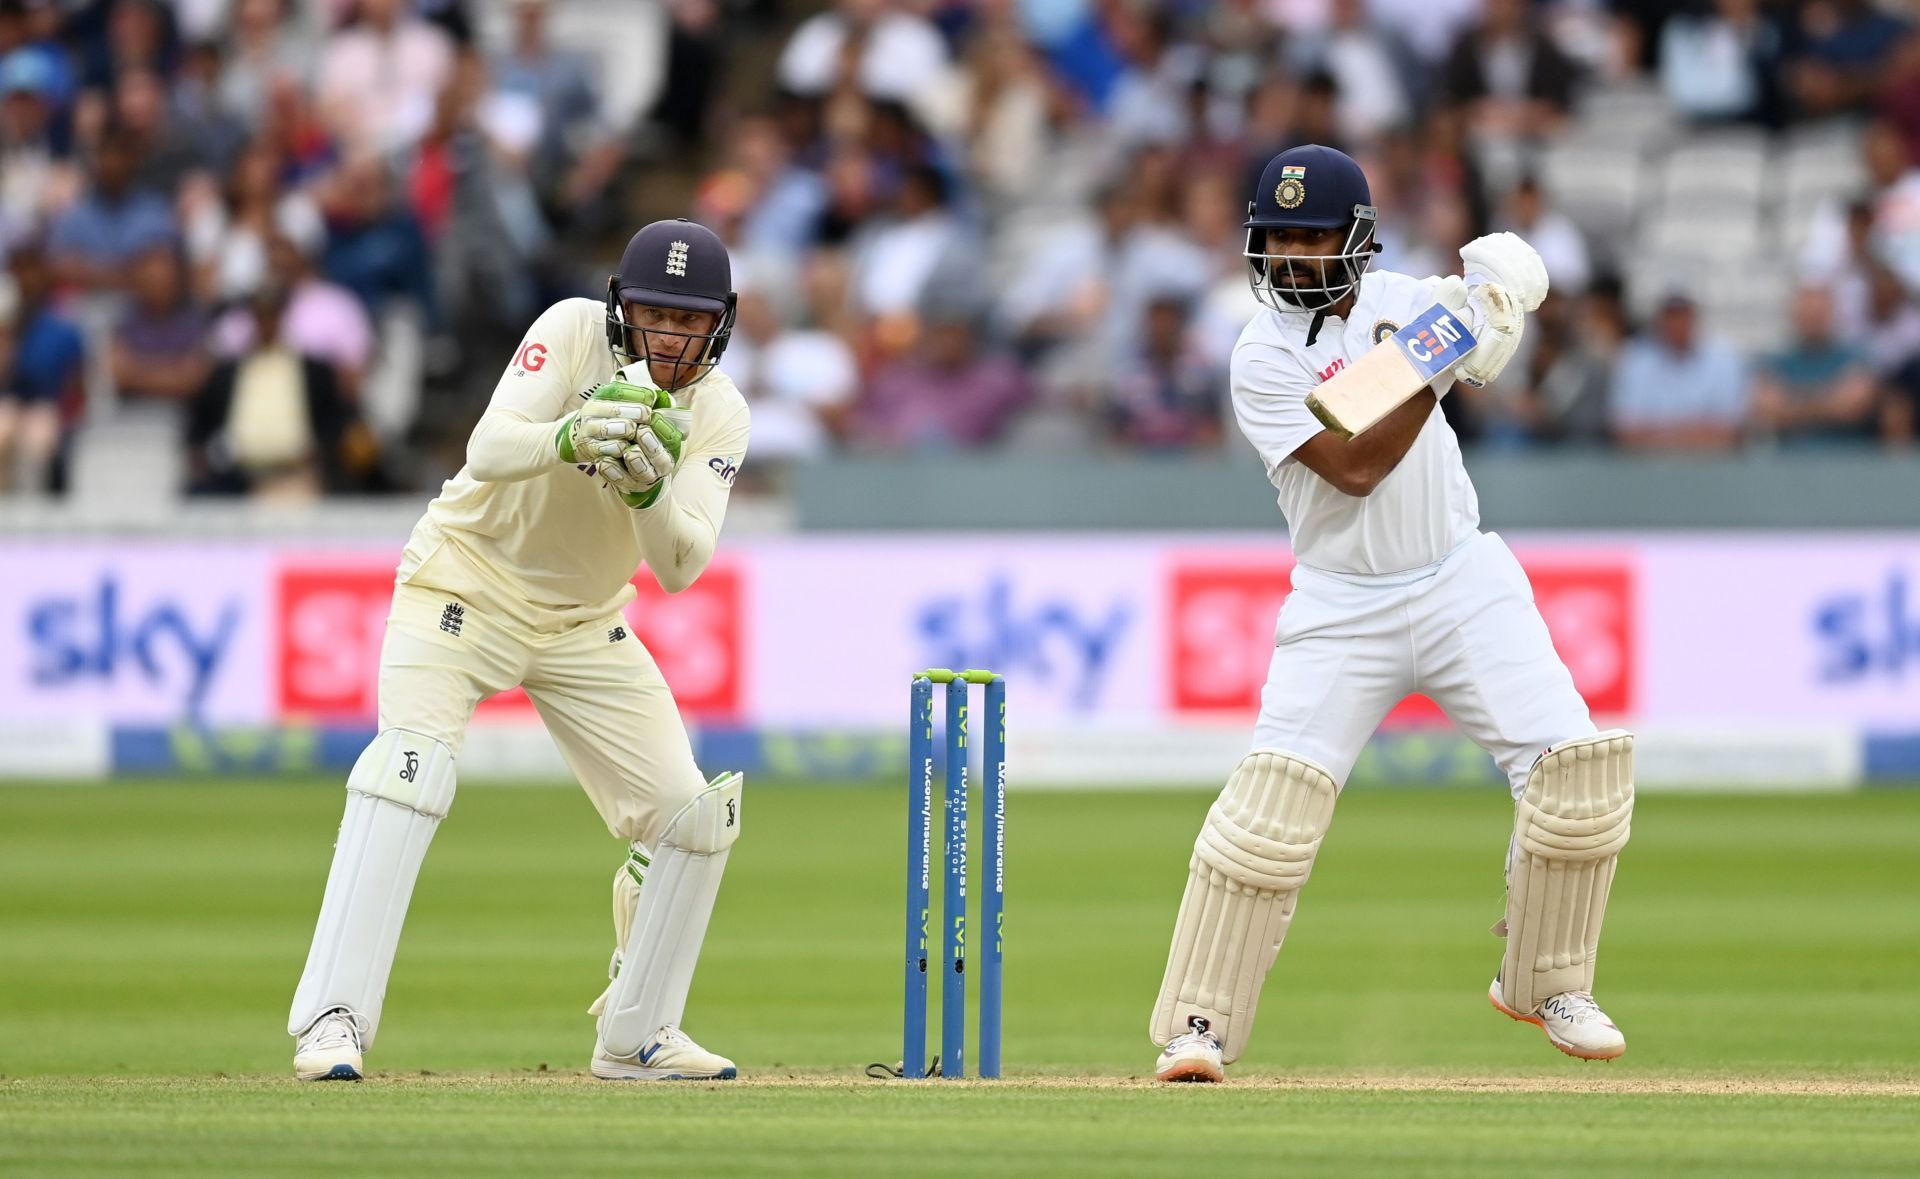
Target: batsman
[[612, 439], [1396, 591]]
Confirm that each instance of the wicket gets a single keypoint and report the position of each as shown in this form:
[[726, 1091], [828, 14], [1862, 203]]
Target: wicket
[[953, 990]]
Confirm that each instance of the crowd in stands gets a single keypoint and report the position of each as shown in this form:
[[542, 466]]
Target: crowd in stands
[[296, 237]]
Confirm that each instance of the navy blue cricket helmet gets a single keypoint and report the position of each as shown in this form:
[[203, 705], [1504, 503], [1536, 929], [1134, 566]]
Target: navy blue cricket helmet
[[1310, 187], [677, 264]]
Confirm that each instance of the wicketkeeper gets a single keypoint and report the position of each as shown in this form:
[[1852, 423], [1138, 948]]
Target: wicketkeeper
[[612, 439]]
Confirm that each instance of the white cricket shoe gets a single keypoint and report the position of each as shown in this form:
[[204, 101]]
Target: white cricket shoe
[[330, 1049], [1193, 1055], [668, 1055], [1573, 1021]]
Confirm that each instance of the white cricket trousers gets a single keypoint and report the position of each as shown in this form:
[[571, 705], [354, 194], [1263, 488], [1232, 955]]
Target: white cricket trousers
[[597, 689], [1464, 631]]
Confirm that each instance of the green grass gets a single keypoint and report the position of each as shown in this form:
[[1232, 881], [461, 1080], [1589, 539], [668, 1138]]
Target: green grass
[[1763, 955]]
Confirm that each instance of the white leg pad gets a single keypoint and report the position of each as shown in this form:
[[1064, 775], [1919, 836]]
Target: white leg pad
[[1569, 826], [1253, 855], [627, 879], [670, 921], [397, 793]]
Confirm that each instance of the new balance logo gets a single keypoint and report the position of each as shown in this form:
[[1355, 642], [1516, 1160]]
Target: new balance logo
[[677, 259], [453, 618], [616, 634]]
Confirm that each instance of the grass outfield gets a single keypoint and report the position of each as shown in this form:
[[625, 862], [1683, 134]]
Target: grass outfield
[[1763, 956]]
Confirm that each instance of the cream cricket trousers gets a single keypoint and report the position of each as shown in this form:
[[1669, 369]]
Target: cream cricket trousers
[[1464, 631], [597, 689]]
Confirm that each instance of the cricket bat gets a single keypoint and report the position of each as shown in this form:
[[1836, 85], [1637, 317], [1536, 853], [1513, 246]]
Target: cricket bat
[[1355, 398]]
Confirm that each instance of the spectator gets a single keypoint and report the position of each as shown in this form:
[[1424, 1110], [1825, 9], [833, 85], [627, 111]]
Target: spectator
[[948, 394], [696, 65], [1583, 339], [1817, 389], [94, 242], [808, 377], [322, 320], [140, 36], [1509, 73], [167, 149], [1676, 389], [159, 350], [272, 423], [266, 49], [1719, 63], [35, 174], [197, 115], [227, 237], [41, 385], [1089, 284], [374, 245], [896, 261], [1844, 49], [543, 108], [27, 27], [380, 78], [1366, 69], [1551, 232], [1896, 202], [1888, 327], [1148, 104], [885, 51], [1170, 401]]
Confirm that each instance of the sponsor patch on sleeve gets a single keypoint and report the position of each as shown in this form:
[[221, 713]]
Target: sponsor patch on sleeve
[[724, 467]]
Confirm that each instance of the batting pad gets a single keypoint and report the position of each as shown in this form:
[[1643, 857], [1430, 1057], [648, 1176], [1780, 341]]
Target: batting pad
[[397, 793], [1569, 826], [1253, 855], [670, 922]]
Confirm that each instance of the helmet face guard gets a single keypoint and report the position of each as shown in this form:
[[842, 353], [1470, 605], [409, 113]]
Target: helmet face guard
[[1309, 284], [632, 345]]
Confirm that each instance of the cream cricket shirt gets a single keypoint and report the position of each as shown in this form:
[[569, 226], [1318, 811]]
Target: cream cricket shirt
[[549, 545], [1421, 511]]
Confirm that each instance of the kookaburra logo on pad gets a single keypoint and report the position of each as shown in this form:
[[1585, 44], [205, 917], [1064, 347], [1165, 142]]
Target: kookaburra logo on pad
[[677, 259]]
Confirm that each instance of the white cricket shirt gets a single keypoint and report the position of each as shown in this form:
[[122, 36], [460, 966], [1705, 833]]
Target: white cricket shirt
[[1423, 510], [549, 544]]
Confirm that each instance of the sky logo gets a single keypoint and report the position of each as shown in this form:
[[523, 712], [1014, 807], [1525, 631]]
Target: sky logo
[[1059, 644], [1871, 634]]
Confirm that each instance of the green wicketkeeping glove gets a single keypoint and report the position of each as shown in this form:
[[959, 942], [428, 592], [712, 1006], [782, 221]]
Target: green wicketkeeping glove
[[607, 424], [654, 453]]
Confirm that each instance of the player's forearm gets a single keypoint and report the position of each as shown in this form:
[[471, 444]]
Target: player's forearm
[[1357, 465], [506, 448], [677, 540]]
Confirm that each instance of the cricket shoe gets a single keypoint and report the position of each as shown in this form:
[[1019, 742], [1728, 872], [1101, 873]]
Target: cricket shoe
[[668, 1055], [1193, 1055], [330, 1049], [1573, 1021]]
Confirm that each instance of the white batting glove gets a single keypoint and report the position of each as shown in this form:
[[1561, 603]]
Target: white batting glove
[[1501, 325], [1507, 259]]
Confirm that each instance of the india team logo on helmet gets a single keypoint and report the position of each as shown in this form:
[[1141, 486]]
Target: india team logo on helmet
[[1291, 192]]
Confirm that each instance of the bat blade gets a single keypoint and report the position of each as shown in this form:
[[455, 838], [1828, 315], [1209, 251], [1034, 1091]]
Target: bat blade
[[1357, 397]]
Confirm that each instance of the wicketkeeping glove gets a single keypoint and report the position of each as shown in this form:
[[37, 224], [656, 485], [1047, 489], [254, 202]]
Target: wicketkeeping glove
[[612, 418], [647, 464]]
